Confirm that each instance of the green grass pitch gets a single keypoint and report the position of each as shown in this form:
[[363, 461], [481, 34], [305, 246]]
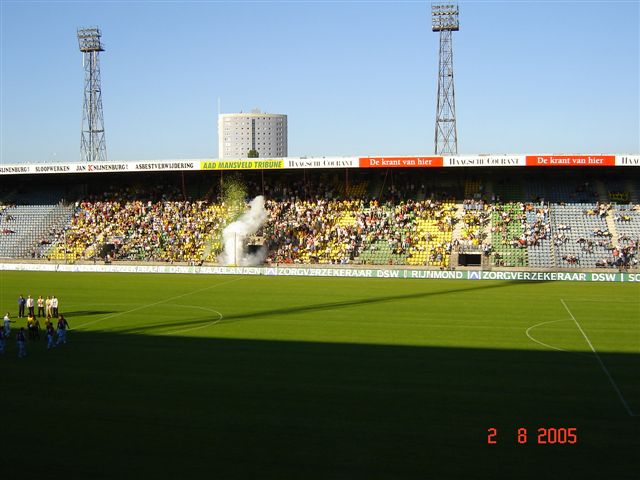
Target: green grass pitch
[[186, 376]]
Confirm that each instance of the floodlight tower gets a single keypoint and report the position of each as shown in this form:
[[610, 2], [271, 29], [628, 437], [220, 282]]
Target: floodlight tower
[[92, 143], [444, 19]]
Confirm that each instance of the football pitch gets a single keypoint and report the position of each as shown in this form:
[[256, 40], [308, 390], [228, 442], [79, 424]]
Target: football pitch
[[189, 376]]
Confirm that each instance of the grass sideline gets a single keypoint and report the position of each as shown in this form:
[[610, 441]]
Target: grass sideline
[[185, 376]]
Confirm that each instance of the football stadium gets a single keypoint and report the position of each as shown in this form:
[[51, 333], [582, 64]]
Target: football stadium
[[393, 322], [436, 316]]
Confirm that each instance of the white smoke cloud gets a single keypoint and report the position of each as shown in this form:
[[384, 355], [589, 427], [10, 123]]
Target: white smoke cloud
[[235, 234]]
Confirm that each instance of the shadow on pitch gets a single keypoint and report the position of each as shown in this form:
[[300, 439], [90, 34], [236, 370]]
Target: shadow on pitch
[[319, 307], [172, 327], [271, 409], [87, 313]]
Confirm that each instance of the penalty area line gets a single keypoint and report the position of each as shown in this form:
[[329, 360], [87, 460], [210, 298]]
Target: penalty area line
[[604, 368]]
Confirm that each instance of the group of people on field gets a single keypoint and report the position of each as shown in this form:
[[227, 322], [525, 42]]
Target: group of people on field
[[46, 308]]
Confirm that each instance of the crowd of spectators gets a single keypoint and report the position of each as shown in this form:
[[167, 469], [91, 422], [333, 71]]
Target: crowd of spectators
[[571, 259], [316, 222], [601, 210], [514, 230], [476, 218], [325, 231], [625, 256], [168, 230]]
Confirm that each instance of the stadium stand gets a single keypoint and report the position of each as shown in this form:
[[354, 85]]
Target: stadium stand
[[434, 229], [173, 231], [582, 236], [25, 230], [627, 223], [538, 234], [507, 234], [385, 218]]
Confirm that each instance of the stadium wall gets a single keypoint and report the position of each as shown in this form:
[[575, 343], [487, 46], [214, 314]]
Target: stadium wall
[[288, 271]]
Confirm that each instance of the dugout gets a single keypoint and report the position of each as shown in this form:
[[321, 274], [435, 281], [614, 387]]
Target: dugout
[[469, 259]]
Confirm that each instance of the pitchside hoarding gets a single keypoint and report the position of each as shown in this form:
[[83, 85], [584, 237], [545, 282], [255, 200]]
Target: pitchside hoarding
[[335, 272]]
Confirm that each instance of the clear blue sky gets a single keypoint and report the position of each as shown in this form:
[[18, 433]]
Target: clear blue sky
[[353, 77]]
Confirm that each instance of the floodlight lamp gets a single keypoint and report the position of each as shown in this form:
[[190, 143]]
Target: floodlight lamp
[[444, 17], [89, 40]]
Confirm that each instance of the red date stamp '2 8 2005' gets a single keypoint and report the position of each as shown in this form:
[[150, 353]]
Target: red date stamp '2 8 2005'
[[544, 436]]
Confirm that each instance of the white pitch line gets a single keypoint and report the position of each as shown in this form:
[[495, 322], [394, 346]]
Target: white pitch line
[[546, 344], [606, 371], [71, 306], [199, 327], [156, 303]]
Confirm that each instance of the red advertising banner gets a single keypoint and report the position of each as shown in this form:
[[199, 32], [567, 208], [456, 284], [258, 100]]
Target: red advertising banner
[[571, 160], [400, 162]]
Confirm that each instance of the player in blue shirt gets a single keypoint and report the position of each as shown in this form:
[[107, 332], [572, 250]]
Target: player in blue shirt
[[63, 325], [21, 304], [50, 334], [22, 343]]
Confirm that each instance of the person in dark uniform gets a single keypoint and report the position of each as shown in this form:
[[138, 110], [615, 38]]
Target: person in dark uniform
[[22, 343], [21, 304], [63, 325], [50, 334]]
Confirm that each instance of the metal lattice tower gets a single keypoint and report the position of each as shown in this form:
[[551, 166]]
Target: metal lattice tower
[[92, 144], [444, 18]]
